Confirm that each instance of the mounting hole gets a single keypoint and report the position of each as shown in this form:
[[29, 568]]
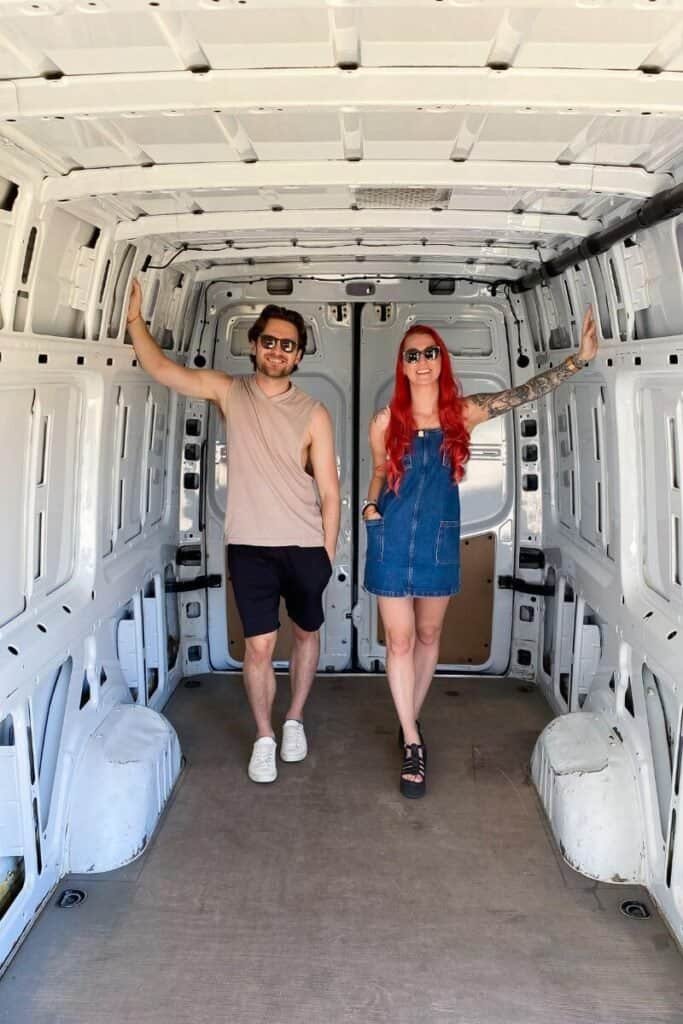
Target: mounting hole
[[634, 909], [71, 898], [192, 684]]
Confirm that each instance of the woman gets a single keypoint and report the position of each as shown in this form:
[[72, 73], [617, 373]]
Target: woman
[[420, 445]]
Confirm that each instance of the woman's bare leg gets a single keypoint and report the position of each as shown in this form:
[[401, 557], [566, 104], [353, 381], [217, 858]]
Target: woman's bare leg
[[429, 615], [398, 616]]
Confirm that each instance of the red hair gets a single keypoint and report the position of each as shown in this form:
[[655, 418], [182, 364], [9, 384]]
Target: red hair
[[456, 441]]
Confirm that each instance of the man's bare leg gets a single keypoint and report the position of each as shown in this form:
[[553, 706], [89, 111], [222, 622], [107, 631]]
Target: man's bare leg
[[259, 680], [302, 668]]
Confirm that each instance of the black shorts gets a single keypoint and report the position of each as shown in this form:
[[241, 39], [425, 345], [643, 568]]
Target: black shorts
[[262, 575]]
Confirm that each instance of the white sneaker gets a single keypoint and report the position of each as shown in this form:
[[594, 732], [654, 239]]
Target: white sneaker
[[294, 746], [262, 766]]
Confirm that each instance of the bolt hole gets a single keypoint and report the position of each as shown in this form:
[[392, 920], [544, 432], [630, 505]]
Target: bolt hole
[[634, 909], [41, 627], [12, 649], [70, 898]]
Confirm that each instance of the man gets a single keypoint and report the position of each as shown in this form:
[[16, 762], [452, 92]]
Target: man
[[282, 516]]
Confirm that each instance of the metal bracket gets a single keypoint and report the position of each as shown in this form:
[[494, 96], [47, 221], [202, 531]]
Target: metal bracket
[[523, 587]]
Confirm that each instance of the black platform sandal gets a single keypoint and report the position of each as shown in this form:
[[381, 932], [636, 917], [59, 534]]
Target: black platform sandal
[[413, 764], [402, 742]]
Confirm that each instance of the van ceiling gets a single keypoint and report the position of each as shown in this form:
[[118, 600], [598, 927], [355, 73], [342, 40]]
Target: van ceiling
[[478, 136]]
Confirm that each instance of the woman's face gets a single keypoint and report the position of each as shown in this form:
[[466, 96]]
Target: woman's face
[[421, 359]]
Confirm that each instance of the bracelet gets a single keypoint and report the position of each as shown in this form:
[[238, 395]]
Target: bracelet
[[129, 322]]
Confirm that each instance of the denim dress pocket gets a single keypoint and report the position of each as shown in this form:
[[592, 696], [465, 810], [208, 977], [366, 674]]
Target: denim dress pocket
[[375, 538], [448, 543]]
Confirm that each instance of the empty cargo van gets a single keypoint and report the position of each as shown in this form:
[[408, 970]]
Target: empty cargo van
[[489, 170]]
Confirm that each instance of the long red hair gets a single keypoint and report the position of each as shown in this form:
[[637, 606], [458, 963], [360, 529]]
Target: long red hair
[[456, 441]]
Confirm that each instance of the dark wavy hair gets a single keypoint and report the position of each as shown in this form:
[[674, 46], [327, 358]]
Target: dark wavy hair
[[273, 312], [456, 441]]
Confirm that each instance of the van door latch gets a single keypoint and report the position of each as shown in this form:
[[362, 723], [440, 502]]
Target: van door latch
[[524, 587], [198, 583]]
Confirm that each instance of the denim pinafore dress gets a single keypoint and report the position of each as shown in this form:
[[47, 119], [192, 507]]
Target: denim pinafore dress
[[414, 549]]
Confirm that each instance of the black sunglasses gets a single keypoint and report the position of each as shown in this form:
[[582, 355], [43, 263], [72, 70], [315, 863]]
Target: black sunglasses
[[268, 341], [414, 355]]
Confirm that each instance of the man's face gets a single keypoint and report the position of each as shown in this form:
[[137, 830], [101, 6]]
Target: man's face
[[271, 359]]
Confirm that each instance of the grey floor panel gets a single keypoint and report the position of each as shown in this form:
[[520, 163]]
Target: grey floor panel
[[326, 897]]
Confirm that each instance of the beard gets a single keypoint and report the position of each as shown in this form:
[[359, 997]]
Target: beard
[[271, 370]]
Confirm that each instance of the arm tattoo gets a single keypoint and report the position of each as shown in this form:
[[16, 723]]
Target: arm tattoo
[[499, 402]]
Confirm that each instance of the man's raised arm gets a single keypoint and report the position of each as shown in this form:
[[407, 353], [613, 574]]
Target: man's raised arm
[[209, 384]]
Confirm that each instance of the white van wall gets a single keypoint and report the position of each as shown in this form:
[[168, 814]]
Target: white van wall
[[90, 525], [610, 445]]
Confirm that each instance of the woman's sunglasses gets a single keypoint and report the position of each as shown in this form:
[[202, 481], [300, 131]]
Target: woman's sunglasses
[[268, 341], [414, 355]]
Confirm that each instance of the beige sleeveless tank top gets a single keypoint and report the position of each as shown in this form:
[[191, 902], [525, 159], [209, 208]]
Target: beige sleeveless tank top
[[272, 500]]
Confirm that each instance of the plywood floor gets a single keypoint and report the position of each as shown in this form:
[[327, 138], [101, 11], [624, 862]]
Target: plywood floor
[[327, 898]]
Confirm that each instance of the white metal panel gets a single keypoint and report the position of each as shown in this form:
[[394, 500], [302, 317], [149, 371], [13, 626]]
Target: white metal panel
[[15, 422], [57, 413], [137, 449], [11, 838], [154, 454], [660, 438]]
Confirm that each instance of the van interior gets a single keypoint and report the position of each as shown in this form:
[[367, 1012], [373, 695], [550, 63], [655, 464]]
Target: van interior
[[490, 170]]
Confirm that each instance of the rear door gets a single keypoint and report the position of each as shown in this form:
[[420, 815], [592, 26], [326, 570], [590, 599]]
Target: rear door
[[478, 624], [325, 373]]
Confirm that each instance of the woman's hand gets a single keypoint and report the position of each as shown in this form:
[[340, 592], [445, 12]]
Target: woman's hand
[[589, 337], [371, 513]]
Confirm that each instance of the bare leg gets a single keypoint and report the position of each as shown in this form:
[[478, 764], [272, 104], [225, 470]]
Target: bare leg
[[302, 668], [398, 616], [259, 680], [429, 616]]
